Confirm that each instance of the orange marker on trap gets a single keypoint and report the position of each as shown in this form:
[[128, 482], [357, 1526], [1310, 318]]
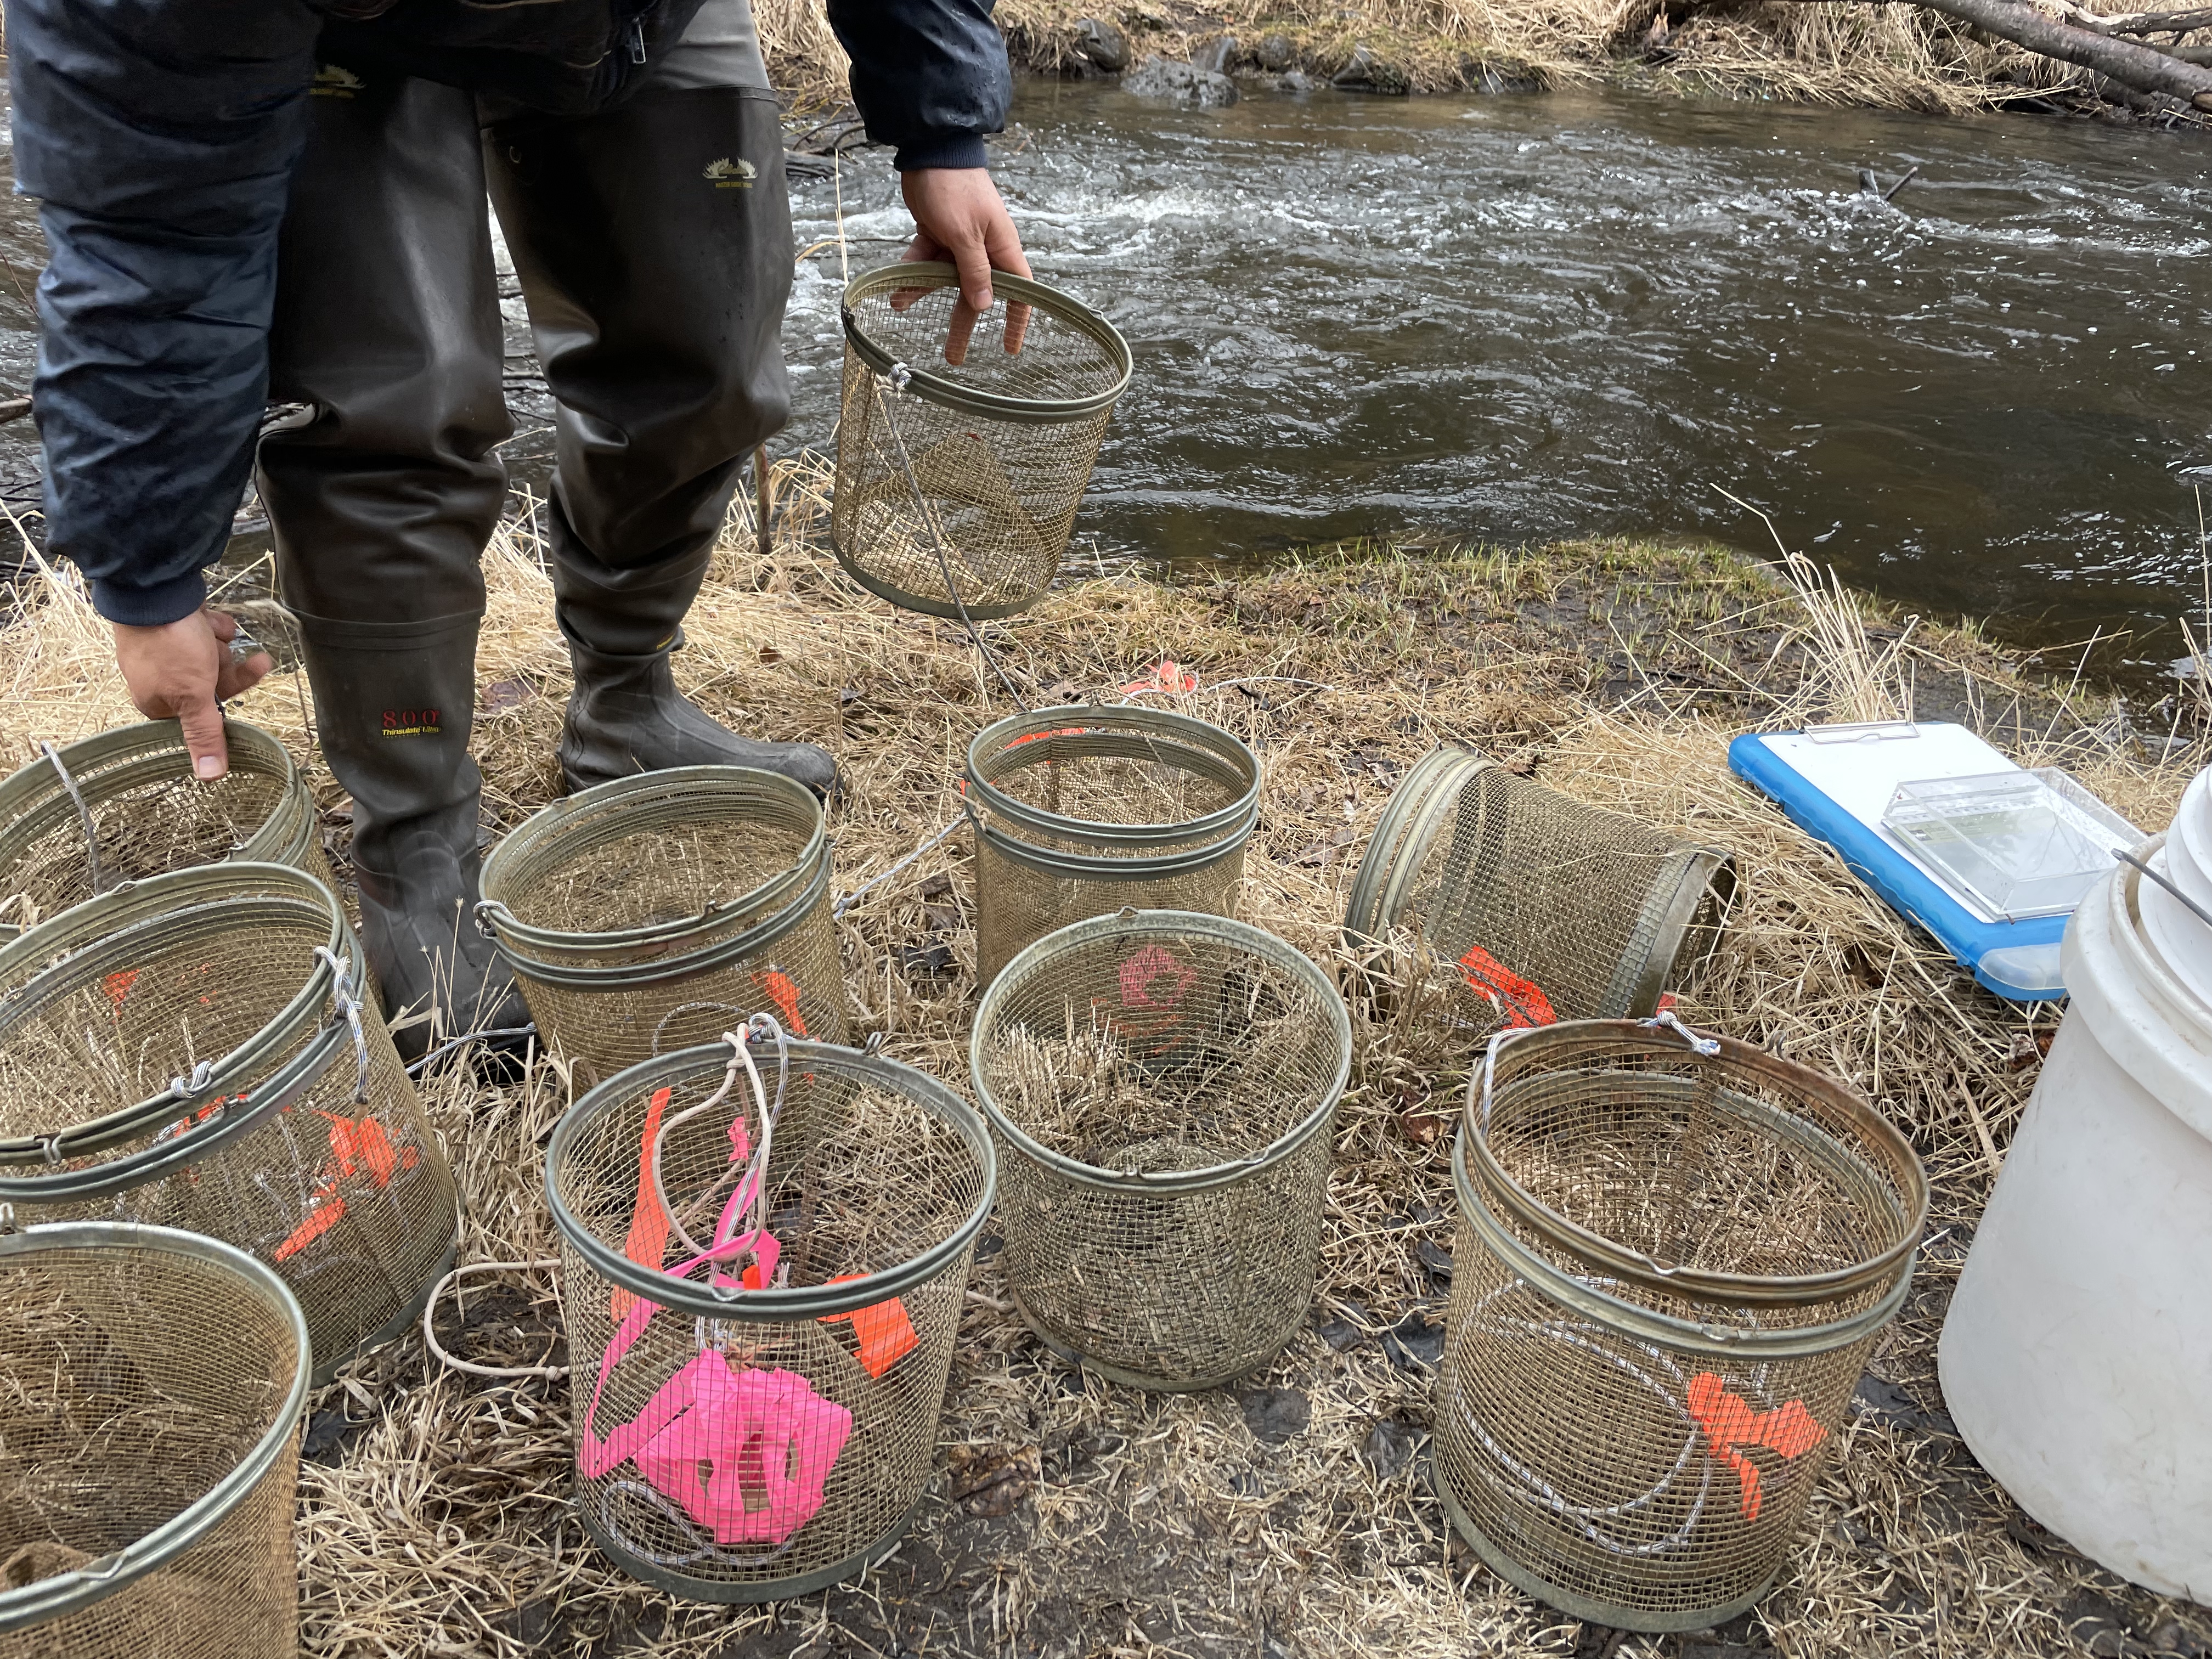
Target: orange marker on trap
[[647, 1244], [358, 1146], [783, 991], [1521, 1001], [885, 1334], [1729, 1421]]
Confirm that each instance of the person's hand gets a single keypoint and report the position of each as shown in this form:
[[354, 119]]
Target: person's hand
[[958, 215], [183, 671]]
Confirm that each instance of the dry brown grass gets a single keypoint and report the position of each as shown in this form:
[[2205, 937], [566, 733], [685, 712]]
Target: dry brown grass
[[436, 1521], [1894, 57]]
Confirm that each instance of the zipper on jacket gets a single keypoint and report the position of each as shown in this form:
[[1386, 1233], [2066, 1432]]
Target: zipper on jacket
[[637, 40]]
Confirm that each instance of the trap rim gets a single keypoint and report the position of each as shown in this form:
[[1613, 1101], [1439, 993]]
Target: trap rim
[[1060, 733], [1642, 1621], [1394, 852], [1583, 1038], [1669, 915], [1136, 924], [1100, 867], [124, 921], [1733, 1344], [146, 752], [771, 1306], [47, 1598], [668, 970], [523, 853], [938, 388]]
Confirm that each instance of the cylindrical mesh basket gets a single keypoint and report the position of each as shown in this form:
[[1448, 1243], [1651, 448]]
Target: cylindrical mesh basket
[[1521, 906], [1671, 1265], [957, 485], [1084, 812], [740, 1440], [155, 1382], [179, 1053], [125, 805], [647, 914], [1163, 1086]]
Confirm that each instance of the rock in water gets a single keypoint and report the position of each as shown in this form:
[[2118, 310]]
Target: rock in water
[[1215, 57], [1102, 44], [1179, 83], [1275, 52]]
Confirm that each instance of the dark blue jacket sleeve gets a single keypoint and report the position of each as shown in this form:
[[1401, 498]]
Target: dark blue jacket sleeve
[[159, 136], [929, 76]]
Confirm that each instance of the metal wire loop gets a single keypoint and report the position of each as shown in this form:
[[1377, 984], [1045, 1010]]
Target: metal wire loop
[[83, 817]]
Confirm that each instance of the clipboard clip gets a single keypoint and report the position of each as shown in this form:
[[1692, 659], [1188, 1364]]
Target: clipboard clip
[[1861, 732]]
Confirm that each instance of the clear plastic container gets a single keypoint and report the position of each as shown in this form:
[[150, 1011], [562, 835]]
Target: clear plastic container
[[2019, 844]]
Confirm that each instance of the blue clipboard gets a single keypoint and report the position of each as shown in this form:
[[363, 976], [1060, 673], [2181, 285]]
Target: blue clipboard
[[2018, 960]]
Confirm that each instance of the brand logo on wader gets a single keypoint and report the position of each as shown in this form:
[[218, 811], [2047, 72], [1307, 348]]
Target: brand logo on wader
[[332, 81], [410, 723], [731, 175]]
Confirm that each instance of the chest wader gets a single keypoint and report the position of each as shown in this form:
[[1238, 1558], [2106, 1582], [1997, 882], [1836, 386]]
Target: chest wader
[[658, 296]]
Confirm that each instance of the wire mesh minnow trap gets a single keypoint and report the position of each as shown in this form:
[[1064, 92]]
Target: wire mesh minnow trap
[[1673, 1255], [155, 1382], [958, 485], [1525, 907], [646, 914], [757, 1397], [197, 1050], [125, 805], [1083, 812], [1163, 1086]]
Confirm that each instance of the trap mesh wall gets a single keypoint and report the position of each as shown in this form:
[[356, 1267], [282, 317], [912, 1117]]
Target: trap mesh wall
[[653, 912], [1082, 812], [1522, 905], [1670, 1269], [970, 473], [1163, 1087], [149, 815], [176, 1054], [154, 1383], [765, 1443]]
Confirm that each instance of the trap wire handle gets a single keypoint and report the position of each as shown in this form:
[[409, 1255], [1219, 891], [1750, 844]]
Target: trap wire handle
[[889, 385], [83, 816]]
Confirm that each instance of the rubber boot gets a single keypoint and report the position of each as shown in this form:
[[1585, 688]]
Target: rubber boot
[[394, 705], [653, 247], [387, 325]]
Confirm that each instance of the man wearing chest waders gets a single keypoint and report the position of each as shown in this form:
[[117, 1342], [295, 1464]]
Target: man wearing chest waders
[[256, 202]]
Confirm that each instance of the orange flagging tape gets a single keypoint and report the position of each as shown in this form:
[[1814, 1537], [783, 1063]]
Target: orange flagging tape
[[783, 991], [1729, 1422], [885, 1334], [647, 1244], [1169, 676], [358, 1146], [1521, 1000]]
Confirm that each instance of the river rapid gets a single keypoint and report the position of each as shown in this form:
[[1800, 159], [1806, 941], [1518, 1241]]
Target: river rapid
[[1526, 317]]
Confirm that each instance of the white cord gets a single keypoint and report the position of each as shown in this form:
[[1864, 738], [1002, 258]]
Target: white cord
[[497, 1372]]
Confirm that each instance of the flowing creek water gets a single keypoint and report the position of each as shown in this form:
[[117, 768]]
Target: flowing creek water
[[1519, 318]]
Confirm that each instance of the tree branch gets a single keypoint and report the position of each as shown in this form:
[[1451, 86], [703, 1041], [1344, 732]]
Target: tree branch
[[2146, 68]]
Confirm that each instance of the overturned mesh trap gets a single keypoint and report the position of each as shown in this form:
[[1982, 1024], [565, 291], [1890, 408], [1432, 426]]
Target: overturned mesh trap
[[1163, 1086], [1522, 905], [125, 805], [1083, 812], [647, 914], [958, 485], [155, 1382], [1674, 1253], [757, 1396], [197, 1051]]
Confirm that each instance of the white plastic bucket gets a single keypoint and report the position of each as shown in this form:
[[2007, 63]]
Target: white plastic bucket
[[2078, 1351]]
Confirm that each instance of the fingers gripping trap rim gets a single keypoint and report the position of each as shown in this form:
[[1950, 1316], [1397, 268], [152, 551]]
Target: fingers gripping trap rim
[[93, 770], [940, 389], [47, 1598]]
